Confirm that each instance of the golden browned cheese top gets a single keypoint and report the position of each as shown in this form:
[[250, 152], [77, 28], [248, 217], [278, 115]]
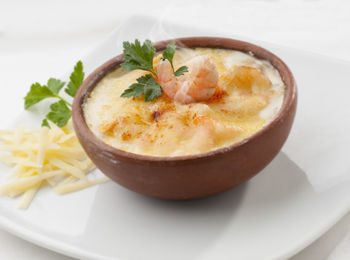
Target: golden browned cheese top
[[249, 96]]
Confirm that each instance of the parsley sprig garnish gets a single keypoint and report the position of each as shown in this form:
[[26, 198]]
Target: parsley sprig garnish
[[60, 111], [140, 57], [146, 85], [168, 54]]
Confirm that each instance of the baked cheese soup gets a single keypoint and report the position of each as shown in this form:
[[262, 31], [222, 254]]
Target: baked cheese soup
[[224, 97]]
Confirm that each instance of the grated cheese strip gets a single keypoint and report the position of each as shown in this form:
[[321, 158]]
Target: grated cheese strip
[[42, 147], [52, 182], [48, 155], [17, 160], [17, 170], [83, 165], [26, 172], [68, 168], [56, 132], [53, 148], [62, 189], [66, 138], [68, 180], [27, 182], [66, 152], [18, 135], [14, 194], [28, 197], [90, 166], [11, 132], [20, 147]]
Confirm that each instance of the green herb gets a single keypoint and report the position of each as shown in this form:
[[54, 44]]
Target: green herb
[[180, 71], [60, 111], [168, 54], [139, 56], [55, 85], [146, 85], [76, 78], [36, 94]]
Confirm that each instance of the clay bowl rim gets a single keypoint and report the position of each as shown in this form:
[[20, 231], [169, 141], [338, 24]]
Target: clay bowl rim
[[95, 77]]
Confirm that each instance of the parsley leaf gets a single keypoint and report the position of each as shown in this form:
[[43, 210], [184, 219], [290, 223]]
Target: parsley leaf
[[36, 94], [59, 114], [146, 85], [55, 85], [169, 52], [152, 88], [45, 123], [138, 57], [76, 78], [180, 71], [135, 90]]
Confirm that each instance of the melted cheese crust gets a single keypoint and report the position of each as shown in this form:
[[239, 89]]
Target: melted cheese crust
[[252, 96]]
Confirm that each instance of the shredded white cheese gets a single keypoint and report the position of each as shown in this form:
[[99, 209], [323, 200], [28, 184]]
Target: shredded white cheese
[[46, 156]]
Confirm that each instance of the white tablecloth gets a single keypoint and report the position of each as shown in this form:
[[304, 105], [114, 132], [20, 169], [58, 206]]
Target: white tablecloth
[[40, 37]]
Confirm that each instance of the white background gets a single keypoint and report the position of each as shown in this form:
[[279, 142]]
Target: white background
[[40, 39]]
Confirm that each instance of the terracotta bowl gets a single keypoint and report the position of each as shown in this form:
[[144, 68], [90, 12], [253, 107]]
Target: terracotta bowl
[[193, 176]]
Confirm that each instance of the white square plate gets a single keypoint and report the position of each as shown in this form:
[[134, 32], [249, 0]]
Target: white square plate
[[274, 215]]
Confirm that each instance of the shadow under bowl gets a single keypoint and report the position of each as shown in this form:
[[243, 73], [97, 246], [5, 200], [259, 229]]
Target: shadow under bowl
[[192, 176]]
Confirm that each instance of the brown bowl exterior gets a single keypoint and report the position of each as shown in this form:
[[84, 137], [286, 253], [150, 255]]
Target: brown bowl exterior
[[194, 176]]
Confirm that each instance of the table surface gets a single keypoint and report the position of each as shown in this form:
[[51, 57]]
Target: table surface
[[39, 37]]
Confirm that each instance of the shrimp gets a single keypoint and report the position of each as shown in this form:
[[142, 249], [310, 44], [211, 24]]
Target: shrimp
[[199, 84]]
